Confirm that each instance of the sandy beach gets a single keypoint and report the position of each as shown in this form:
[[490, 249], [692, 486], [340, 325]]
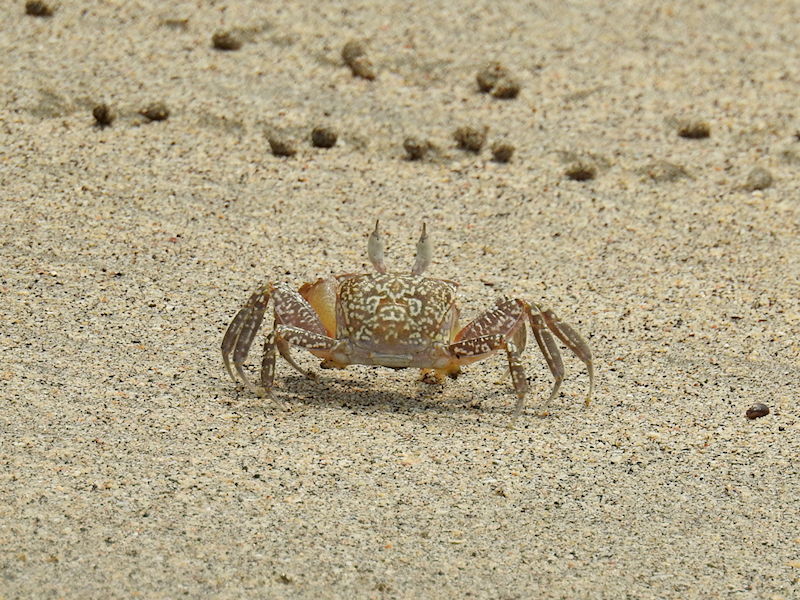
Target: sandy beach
[[652, 201]]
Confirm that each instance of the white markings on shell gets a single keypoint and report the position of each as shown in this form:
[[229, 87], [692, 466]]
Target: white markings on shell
[[391, 312]]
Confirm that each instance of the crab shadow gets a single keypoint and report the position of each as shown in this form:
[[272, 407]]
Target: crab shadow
[[365, 392]]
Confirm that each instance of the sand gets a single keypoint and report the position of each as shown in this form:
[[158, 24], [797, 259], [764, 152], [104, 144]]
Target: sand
[[132, 466]]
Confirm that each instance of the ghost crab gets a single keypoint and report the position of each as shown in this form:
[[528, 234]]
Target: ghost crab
[[394, 320]]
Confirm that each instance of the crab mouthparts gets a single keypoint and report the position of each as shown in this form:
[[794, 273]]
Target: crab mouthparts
[[393, 361]]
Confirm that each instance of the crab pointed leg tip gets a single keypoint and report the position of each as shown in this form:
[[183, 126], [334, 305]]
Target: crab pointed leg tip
[[229, 368], [591, 385], [268, 393], [513, 419]]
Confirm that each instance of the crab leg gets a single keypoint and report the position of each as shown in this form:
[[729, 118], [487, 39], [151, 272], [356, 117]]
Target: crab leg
[[242, 330], [272, 342], [502, 318], [479, 347], [499, 328], [571, 340], [305, 339], [267, 372], [290, 307], [518, 377], [304, 326], [549, 348], [239, 338], [285, 349]]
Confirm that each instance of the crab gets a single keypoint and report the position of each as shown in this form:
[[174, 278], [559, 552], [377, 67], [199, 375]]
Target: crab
[[396, 320]]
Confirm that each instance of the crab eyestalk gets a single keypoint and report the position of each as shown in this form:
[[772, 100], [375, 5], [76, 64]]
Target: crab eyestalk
[[375, 250], [424, 253]]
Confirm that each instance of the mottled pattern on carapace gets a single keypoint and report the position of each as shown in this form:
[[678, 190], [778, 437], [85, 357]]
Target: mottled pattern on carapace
[[396, 313]]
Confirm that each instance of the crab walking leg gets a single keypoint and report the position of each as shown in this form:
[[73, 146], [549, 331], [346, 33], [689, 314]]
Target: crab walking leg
[[233, 331], [245, 341], [550, 352], [231, 335], [268, 372], [479, 347], [518, 377], [503, 318], [305, 339], [520, 340], [294, 310], [242, 330], [574, 342], [294, 313], [286, 352], [275, 341], [239, 338]]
